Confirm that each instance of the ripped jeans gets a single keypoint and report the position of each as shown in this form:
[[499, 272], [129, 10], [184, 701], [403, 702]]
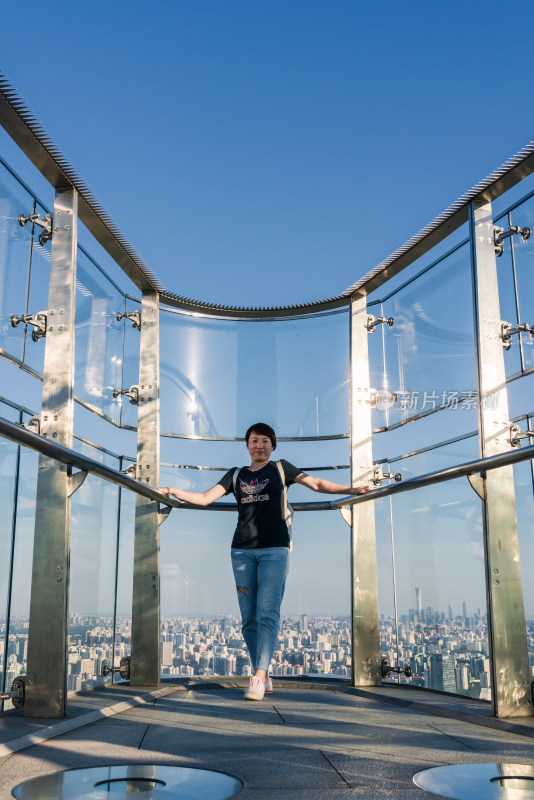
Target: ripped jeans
[[260, 578]]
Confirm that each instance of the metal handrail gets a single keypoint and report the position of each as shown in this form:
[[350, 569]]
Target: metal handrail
[[20, 435]]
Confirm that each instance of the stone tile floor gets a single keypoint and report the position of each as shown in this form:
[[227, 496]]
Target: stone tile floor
[[304, 741]]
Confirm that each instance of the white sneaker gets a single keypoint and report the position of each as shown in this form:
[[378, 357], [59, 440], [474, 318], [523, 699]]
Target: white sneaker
[[256, 689]]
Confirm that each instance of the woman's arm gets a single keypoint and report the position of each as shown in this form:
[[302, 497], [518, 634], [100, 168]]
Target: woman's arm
[[195, 498], [328, 487]]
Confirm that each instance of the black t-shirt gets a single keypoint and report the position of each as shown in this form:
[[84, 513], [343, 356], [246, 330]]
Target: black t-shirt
[[260, 521]]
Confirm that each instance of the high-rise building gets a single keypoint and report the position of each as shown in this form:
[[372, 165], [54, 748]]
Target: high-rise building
[[418, 600]]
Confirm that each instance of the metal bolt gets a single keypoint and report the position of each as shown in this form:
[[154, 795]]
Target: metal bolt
[[153, 577], [54, 435], [496, 583], [154, 586], [59, 568], [496, 571], [67, 228], [51, 328], [59, 580]]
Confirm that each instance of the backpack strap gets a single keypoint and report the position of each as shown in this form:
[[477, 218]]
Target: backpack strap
[[237, 470], [287, 511]]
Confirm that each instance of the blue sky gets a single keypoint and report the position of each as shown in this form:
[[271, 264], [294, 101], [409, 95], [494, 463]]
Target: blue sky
[[260, 153], [263, 153]]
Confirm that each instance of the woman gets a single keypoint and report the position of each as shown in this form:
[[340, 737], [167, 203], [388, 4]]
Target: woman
[[260, 547]]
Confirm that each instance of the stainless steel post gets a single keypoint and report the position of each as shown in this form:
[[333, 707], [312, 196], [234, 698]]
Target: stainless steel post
[[511, 695], [145, 661], [47, 635], [366, 667]]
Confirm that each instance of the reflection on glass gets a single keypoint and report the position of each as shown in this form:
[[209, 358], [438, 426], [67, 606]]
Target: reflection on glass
[[508, 300], [523, 481], [94, 530], [220, 376], [429, 350], [8, 476], [38, 298], [130, 375], [15, 252], [439, 561], [123, 622], [523, 251], [22, 567], [201, 627], [99, 334]]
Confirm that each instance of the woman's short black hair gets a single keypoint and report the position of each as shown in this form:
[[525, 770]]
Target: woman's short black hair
[[262, 429]]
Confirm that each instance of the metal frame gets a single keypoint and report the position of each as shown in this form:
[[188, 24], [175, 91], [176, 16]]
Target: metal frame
[[366, 664], [145, 663], [33, 140], [511, 691], [47, 634]]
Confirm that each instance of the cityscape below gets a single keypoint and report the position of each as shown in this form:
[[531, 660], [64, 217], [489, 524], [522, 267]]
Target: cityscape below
[[444, 652]]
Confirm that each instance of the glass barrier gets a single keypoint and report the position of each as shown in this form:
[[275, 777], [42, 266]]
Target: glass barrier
[[123, 617], [524, 487], [38, 297], [15, 257], [429, 350], [440, 578], [523, 255], [130, 372], [93, 561], [99, 338], [17, 646], [267, 369], [9, 453]]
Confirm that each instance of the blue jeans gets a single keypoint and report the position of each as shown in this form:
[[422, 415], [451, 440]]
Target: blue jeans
[[260, 577]]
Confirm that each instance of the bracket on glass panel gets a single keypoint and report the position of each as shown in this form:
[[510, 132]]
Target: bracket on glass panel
[[38, 321], [163, 513], [33, 424], [131, 471], [478, 485], [507, 332], [132, 393], [133, 316], [123, 670], [379, 476], [346, 514], [387, 669], [372, 322], [45, 223], [75, 481], [17, 693], [516, 435], [499, 235]]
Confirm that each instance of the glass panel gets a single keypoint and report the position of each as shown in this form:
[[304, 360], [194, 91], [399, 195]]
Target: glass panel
[[38, 300], [218, 376], [201, 628], [98, 350], [523, 479], [508, 300], [22, 567], [15, 252], [8, 477], [430, 348], [94, 529], [123, 624], [524, 266], [439, 560], [130, 375]]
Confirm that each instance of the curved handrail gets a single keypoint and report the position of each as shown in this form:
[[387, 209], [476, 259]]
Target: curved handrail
[[21, 435]]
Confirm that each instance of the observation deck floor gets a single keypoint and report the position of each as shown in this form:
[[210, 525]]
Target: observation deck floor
[[306, 741]]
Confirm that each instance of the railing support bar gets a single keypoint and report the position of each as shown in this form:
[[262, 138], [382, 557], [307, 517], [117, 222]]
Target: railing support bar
[[47, 635], [366, 665], [511, 694], [145, 661]]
